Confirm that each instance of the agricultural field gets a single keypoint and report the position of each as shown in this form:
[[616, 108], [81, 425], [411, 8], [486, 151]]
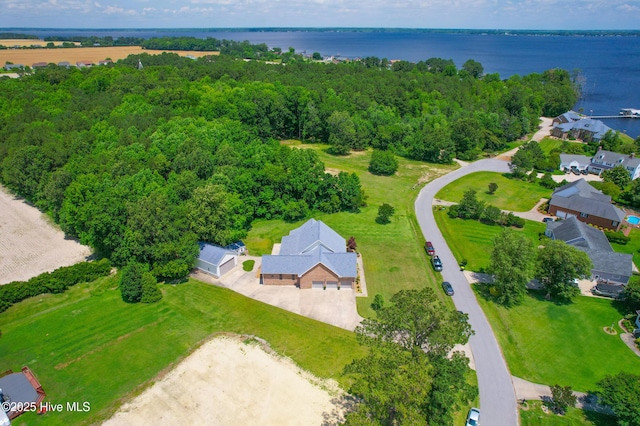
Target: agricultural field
[[72, 55], [392, 254], [512, 194], [30, 244]]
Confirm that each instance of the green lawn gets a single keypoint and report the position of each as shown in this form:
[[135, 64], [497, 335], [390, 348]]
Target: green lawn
[[472, 240], [631, 247], [534, 416], [88, 345], [512, 194], [392, 254], [549, 144], [551, 343]]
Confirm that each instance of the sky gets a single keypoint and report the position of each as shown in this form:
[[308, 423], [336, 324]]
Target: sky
[[484, 14]]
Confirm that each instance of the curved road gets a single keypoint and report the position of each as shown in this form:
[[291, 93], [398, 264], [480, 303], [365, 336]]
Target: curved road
[[497, 394]]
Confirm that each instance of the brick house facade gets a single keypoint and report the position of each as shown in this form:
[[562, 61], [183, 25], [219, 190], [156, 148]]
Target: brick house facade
[[311, 256]]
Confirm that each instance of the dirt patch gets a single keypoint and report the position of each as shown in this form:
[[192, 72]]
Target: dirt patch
[[30, 244], [230, 382], [72, 55]]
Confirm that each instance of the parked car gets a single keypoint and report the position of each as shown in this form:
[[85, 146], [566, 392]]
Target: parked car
[[547, 219], [473, 418], [448, 288], [575, 171], [584, 172], [437, 263], [429, 248]]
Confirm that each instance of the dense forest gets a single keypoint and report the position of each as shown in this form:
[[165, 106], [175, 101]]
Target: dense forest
[[142, 163]]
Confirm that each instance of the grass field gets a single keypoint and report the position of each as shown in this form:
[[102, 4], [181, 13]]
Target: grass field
[[534, 416], [551, 343], [88, 345], [392, 254], [27, 57], [512, 194], [473, 240]]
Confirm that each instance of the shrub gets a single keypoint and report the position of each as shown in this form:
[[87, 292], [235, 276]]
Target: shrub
[[247, 265], [131, 281], [383, 163], [150, 291], [385, 211], [52, 282], [617, 237]]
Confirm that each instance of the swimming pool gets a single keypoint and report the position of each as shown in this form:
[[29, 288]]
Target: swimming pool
[[634, 220]]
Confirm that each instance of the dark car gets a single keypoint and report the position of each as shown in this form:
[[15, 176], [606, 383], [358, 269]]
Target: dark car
[[437, 263], [547, 219], [584, 172], [575, 171], [448, 288], [429, 248]]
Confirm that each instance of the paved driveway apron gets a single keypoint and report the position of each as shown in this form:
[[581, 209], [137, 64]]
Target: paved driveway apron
[[497, 395]]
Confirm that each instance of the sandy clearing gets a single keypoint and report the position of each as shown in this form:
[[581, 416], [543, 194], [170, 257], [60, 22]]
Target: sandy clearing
[[30, 244], [229, 382], [11, 42], [72, 55]]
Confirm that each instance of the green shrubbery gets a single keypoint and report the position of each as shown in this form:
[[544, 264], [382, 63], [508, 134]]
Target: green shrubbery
[[52, 282], [471, 208], [617, 237]]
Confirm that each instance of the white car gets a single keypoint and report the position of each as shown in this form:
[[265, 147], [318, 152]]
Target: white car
[[473, 418]]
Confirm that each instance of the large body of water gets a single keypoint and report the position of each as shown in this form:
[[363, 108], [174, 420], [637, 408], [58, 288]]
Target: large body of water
[[610, 66]]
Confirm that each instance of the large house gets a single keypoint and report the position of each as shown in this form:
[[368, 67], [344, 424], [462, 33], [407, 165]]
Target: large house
[[311, 256], [602, 161], [573, 125], [581, 200], [610, 269]]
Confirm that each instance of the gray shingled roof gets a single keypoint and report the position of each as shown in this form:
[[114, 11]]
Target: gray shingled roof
[[597, 127], [593, 242], [583, 160], [584, 198], [309, 236], [213, 254], [616, 159], [312, 243], [17, 387]]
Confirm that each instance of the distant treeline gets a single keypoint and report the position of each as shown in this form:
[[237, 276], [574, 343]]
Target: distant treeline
[[18, 36]]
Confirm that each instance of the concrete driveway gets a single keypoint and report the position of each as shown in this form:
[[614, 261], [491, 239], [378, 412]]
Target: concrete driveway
[[335, 307]]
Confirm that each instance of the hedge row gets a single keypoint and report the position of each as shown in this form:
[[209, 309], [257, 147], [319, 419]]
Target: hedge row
[[617, 237], [52, 282]]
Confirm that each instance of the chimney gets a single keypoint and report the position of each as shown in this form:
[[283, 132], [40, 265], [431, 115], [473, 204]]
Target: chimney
[[600, 148], [633, 154]]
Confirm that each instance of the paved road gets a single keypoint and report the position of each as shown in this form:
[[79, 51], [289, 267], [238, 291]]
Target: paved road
[[497, 395]]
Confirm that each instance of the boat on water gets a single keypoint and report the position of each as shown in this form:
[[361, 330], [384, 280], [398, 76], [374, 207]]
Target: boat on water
[[630, 112]]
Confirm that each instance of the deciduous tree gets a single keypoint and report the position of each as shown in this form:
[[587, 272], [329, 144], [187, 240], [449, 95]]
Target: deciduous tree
[[622, 393], [513, 265], [558, 265]]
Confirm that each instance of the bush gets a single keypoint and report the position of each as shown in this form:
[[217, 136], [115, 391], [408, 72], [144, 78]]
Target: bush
[[52, 282], [383, 163], [131, 281], [150, 291], [385, 211], [617, 237]]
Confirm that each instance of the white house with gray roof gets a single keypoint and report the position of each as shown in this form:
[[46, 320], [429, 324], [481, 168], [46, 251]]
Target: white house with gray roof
[[581, 200], [216, 260], [605, 160], [609, 267], [311, 256]]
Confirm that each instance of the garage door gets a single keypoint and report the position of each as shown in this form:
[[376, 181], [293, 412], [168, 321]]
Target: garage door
[[561, 214], [227, 266], [332, 285], [317, 284]]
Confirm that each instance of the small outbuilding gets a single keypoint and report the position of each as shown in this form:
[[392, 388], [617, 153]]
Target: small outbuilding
[[216, 260], [22, 390]]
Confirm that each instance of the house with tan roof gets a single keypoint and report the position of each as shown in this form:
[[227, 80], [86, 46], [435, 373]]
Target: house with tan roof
[[311, 256]]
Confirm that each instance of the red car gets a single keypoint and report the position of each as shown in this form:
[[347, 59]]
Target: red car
[[429, 248]]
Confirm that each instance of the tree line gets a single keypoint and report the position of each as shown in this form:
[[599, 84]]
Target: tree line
[[142, 163]]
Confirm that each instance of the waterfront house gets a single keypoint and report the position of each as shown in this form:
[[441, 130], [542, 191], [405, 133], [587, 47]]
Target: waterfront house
[[572, 125], [605, 160]]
